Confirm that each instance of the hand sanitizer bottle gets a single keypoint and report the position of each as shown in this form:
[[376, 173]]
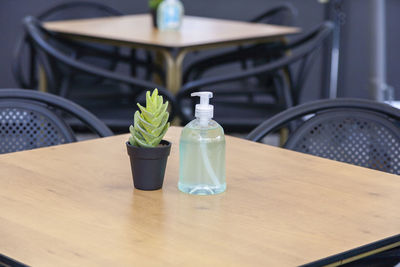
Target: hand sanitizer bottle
[[202, 152], [169, 15]]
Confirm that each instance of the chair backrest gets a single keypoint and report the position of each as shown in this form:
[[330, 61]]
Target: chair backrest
[[24, 66], [44, 40], [288, 79], [282, 14], [360, 132], [304, 52], [31, 119]]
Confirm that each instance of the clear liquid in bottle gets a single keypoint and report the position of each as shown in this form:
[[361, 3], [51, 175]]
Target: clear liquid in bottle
[[202, 158]]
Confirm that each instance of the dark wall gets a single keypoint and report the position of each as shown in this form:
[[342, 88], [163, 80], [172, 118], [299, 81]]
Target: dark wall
[[353, 79], [356, 45]]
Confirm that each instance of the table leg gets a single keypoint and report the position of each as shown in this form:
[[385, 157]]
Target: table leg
[[159, 60], [42, 79], [174, 69]]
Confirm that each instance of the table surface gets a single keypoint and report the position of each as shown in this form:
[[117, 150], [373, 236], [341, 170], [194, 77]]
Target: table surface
[[195, 31], [74, 205]]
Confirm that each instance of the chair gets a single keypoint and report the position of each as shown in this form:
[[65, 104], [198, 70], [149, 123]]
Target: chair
[[26, 74], [31, 119], [242, 109], [114, 103], [282, 14], [360, 132]]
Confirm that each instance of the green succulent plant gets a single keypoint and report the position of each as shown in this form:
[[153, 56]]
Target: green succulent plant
[[151, 122], [153, 4]]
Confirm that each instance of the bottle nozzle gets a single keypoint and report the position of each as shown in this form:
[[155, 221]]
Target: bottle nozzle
[[204, 110], [204, 97]]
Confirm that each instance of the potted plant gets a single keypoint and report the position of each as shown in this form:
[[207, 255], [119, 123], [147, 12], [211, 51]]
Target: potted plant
[[153, 5], [147, 151]]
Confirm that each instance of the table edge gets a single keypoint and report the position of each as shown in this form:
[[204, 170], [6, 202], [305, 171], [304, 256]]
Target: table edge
[[340, 257], [337, 258], [193, 46], [11, 262]]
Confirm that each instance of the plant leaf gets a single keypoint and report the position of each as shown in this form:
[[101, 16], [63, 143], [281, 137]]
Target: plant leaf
[[157, 120], [151, 122], [140, 141], [146, 135], [154, 97], [149, 103], [157, 131], [148, 116], [162, 108], [157, 140], [139, 119], [132, 141], [132, 130]]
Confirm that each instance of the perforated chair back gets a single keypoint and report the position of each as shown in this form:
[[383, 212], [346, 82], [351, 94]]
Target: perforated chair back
[[30, 119], [359, 132]]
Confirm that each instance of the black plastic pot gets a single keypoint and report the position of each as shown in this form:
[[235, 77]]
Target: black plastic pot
[[148, 165], [153, 13]]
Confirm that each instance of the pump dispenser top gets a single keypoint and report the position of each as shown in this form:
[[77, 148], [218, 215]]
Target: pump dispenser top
[[204, 111]]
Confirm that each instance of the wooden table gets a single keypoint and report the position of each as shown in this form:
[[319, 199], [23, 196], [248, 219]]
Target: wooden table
[[196, 33], [74, 205]]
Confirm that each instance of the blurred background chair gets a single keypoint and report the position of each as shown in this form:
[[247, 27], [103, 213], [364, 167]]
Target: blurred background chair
[[31, 119], [25, 69], [282, 14], [360, 132], [241, 102], [113, 101]]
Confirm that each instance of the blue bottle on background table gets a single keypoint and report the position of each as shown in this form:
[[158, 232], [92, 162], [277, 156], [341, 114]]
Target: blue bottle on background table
[[202, 152], [169, 15]]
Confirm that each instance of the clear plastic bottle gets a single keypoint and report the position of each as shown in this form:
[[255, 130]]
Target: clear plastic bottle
[[202, 152], [169, 15]]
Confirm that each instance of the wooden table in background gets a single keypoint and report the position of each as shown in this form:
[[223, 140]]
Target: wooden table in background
[[74, 205], [197, 33]]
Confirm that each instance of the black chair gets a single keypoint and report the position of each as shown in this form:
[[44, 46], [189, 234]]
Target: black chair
[[242, 108], [114, 103], [361, 132], [282, 14], [25, 61], [31, 119]]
